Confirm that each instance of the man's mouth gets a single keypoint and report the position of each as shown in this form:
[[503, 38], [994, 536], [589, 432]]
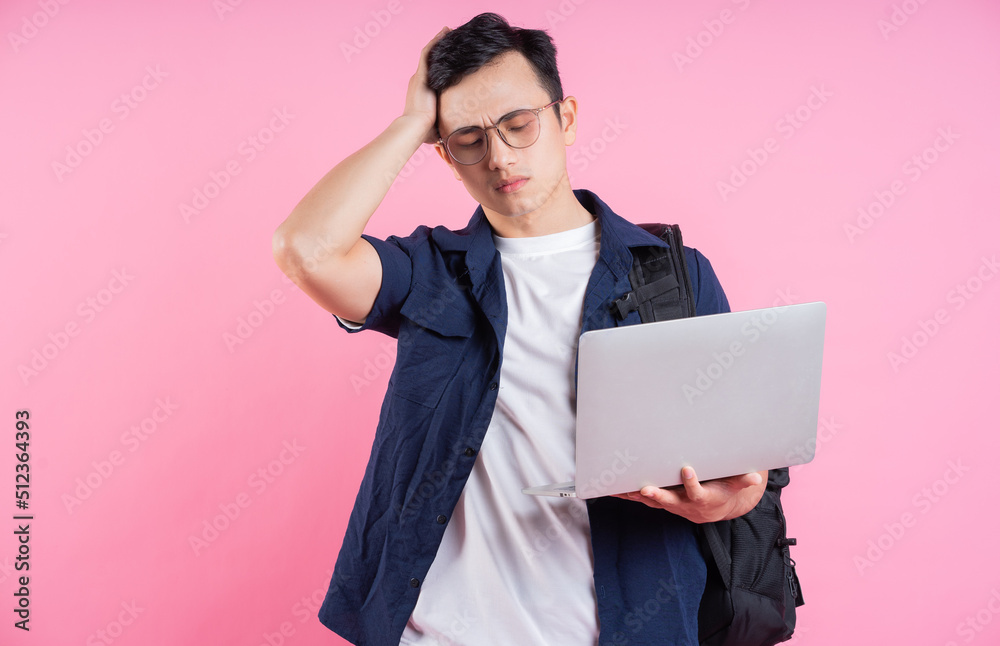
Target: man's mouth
[[510, 184]]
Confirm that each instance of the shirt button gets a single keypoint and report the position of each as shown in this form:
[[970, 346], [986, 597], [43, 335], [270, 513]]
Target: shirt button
[[493, 386], [442, 519], [469, 452], [414, 583]]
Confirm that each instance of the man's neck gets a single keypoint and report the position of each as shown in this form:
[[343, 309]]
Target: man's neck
[[561, 212]]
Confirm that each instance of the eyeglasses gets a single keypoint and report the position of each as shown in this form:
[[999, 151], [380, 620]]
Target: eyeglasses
[[519, 129]]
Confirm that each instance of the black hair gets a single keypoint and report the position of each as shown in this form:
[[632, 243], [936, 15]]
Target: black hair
[[466, 49]]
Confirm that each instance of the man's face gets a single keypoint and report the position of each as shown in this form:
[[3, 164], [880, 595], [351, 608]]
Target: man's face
[[508, 181]]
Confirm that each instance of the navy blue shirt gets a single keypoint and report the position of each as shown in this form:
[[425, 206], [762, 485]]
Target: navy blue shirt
[[443, 298]]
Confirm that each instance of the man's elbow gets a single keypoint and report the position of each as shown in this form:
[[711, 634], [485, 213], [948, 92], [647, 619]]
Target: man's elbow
[[285, 253], [292, 256]]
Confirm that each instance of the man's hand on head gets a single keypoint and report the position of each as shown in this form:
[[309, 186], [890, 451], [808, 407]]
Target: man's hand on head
[[705, 502], [421, 101]]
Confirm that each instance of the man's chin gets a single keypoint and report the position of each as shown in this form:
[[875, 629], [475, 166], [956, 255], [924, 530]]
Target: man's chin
[[520, 203], [512, 209]]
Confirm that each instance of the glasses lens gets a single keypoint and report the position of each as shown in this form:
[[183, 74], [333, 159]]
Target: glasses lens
[[467, 145], [520, 129]]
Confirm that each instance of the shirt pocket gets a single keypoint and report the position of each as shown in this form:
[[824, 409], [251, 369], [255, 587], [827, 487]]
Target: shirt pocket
[[435, 331]]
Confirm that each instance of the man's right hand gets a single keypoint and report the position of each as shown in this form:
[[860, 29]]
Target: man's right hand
[[421, 102]]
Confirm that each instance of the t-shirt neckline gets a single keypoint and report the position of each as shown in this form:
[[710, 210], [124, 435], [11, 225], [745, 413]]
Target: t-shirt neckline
[[549, 243]]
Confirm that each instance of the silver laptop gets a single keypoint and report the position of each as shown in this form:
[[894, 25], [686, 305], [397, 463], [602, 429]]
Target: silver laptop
[[726, 394]]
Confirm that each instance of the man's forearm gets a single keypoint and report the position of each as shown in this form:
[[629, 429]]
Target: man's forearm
[[319, 246], [329, 220]]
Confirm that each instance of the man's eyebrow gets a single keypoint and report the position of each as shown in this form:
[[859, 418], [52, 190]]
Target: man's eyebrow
[[499, 119]]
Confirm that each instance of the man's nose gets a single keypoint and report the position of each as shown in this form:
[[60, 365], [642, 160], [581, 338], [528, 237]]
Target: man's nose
[[499, 153]]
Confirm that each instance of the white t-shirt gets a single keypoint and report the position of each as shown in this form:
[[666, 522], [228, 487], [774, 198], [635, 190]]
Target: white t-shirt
[[512, 568]]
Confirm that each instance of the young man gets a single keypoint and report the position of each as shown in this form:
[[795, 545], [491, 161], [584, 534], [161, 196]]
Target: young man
[[442, 547]]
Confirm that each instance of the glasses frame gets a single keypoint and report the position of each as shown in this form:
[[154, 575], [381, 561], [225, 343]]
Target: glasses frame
[[444, 140]]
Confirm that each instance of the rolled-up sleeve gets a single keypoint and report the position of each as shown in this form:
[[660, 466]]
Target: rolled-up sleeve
[[397, 271], [708, 293]]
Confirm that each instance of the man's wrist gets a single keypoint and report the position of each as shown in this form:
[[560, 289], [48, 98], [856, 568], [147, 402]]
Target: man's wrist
[[416, 125]]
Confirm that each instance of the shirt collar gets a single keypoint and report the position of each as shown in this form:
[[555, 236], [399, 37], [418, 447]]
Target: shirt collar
[[617, 236]]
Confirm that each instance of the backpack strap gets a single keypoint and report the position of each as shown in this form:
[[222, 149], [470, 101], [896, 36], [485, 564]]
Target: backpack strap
[[661, 284], [720, 553]]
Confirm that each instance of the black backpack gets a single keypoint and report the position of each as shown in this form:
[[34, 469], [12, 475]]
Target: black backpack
[[752, 589]]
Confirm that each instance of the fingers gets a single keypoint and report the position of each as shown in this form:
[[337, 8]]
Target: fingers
[[438, 36], [420, 99], [692, 490], [663, 498], [751, 479], [695, 492], [652, 497], [716, 500], [422, 63]]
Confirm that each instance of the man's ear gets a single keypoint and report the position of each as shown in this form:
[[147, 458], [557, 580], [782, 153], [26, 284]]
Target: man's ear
[[568, 114], [443, 154]]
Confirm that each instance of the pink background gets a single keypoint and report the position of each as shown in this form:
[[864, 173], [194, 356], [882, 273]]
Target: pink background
[[896, 518]]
